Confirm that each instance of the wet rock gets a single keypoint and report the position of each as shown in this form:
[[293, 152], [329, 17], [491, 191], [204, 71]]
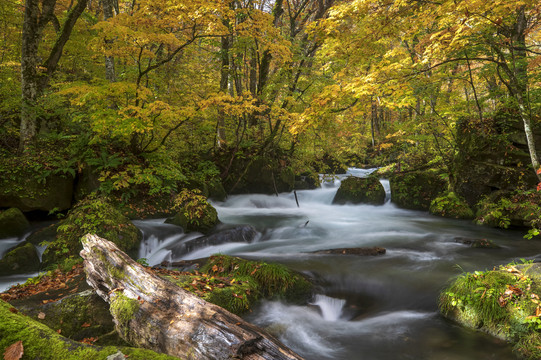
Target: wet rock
[[21, 259], [46, 234], [306, 181], [244, 233], [477, 243], [370, 251], [13, 223], [357, 190]]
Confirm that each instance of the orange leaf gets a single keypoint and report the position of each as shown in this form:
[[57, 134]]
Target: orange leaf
[[85, 325], [14, 351]]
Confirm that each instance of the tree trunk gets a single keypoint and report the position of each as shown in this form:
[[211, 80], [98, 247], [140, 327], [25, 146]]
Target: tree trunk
[[32, 82], [108, 13], [29, 75], [156, 314]]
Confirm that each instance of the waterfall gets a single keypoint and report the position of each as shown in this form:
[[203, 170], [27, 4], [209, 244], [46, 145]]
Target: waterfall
[[387, 187], [331, 308]]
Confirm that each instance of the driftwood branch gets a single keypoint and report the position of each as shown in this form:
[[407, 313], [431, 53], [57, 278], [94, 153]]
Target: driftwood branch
[[154, 313]]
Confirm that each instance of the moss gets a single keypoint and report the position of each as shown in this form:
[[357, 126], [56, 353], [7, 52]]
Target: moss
[[96, 216], [13, 223], [360, 190], [194, 212], [504, 209], [503, 302], [236, 284], [123, 309], [21, 259], [452, 206], [529, 346], [272, 279], [41, 342], [416, 190]]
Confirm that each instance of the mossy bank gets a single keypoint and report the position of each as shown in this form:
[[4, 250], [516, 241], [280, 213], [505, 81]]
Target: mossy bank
[[504, 302]]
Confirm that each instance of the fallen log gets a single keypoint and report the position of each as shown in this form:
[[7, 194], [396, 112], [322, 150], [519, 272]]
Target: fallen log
[[153, 313]]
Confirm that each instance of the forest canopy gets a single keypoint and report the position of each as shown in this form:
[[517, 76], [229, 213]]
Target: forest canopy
[[151, 93]]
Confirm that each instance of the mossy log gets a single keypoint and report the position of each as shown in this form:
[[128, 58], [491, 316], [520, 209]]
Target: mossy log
[[154, 313]]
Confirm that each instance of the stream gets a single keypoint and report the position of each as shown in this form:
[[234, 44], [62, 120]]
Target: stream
[[371, 308]]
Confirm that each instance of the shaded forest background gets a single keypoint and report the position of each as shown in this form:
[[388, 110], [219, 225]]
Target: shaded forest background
[[139, 99]]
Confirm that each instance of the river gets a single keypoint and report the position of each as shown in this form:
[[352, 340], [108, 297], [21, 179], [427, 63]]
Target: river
[[370, 308]]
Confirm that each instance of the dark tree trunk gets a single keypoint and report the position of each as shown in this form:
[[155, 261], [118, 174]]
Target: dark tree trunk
[[33, 83]]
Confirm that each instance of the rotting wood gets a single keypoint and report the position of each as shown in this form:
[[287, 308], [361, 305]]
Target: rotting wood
[[166, 318]]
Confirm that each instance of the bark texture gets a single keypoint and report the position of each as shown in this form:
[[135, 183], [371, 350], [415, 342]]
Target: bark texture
[[156, 314]]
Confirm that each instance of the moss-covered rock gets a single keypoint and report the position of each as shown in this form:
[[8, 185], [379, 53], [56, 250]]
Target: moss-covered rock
[[452, 206], [46, 234], [237, 284], [93, 215], [416, 190], [77, 316], [13, 223], [44, 343], [28, 193], [492, 156], [21, 259], [194, 212], [357, 190], [502, 302], [510, 209], [216, 190]]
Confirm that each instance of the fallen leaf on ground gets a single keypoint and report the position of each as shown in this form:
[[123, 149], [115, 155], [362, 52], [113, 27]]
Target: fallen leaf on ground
[[14, 351]]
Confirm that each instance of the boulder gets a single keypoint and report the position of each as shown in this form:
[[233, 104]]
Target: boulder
[[28, 193], [451, 205], [510, 209], [415, 190], [357, 190], [20, 259], [92, 215], [13, 223], [194, 213], [77, 316], [306, 181], [244, 233], [492, 156], [41, 342], [477, 243]]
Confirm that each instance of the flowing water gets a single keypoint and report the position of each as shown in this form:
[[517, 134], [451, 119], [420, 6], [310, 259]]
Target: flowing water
[[382, 307], [369, 308]]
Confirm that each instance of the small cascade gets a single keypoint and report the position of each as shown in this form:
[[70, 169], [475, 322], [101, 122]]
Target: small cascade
[[331, 308], [387, 187]]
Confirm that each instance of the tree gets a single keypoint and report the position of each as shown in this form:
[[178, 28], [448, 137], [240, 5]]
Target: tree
[[35, 77]]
